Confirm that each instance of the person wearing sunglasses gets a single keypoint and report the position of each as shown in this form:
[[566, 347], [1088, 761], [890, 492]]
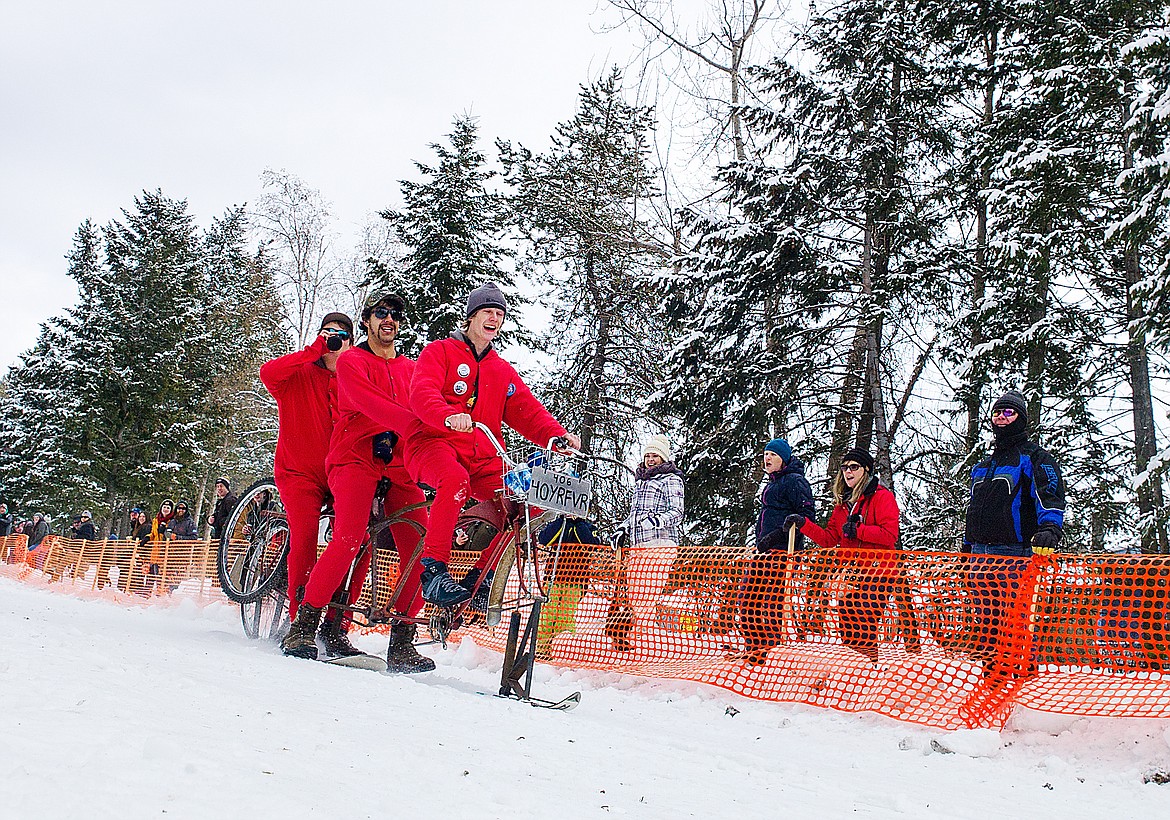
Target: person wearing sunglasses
[[304, 385], [459, 381], [864, 526], [182, 527], [1016, 507], [373, 380]]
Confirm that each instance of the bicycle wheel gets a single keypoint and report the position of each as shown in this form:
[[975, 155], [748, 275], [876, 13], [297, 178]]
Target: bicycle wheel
[[267, 616], [251, 558]]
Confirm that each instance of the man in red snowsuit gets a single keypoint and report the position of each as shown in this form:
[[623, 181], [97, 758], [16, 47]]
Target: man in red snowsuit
[[372, 384], [304, 385], [459, 381]]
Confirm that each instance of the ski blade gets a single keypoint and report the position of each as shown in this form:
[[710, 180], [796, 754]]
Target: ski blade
[[563, 705], [371, 662]]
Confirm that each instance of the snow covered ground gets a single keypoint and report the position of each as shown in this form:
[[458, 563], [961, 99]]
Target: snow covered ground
[[115, 712]]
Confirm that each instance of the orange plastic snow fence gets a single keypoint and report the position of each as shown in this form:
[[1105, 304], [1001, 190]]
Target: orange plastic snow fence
[[940, 639], [161, 569]]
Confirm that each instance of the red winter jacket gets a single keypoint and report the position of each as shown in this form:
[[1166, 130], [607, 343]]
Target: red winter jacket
[[450, 379], [878, 529], [305, 393], [371, 399]]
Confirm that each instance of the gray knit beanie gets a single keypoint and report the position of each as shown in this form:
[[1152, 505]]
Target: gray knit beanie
[[485, 296]]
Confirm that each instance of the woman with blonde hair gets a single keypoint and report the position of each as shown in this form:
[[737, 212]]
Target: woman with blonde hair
[[864, 524]]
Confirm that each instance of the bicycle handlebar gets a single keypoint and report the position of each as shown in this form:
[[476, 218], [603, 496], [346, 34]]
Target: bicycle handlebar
[[558, 443], [487, 431]]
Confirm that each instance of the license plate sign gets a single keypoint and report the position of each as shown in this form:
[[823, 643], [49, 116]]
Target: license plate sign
[[560, 493]]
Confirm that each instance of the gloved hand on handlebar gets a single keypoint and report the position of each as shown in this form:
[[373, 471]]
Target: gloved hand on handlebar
[[567, 441]]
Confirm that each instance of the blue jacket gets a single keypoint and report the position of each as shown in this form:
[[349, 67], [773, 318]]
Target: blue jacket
[[1014, 493], [786, 493]]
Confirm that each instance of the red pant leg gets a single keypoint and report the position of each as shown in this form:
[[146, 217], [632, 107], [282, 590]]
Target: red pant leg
[[353, 488], [436, 464], [404, 492], [486, 480], [302, 498]]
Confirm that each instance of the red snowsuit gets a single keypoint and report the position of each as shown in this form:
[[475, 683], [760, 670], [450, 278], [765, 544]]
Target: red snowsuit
[[306, 399], [871, 577], [371, 399], [449, 379]]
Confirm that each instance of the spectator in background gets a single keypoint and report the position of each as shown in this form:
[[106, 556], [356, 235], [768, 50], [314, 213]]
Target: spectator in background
[[1016, 508], [864, 524], [158, 535], [6, 521], [651, 529], [574, 536], [182, 527], [225, 503], [84, 529], [158, 526], [38, 531], [140, 527], [761, 600]]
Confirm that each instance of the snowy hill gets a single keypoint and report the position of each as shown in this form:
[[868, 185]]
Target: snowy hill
[[114, 712]]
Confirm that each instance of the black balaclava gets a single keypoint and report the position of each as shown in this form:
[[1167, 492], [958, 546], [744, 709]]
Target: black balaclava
[[1017, 431]]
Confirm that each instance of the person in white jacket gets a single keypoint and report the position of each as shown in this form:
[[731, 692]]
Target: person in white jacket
[[651, 530]]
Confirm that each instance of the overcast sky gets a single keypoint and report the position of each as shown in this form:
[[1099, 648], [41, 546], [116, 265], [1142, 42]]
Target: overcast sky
[[102, 100]]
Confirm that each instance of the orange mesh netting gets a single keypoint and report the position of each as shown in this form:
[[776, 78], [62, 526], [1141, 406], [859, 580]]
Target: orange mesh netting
[[940, 639], [117, 568]]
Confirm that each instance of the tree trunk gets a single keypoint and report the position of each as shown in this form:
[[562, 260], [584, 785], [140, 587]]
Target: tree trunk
[[1149, 492], [592, 410], [847, 403], [976, 378], [1037, 349], [736, 120]]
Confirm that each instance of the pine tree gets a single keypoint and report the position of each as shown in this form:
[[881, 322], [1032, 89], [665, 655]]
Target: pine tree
[[449, 226], [581, 206], [1142, 227], [128, 393], [748, 301]]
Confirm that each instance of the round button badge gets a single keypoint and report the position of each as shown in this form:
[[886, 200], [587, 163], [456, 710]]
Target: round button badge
[[463, 370], [460, 388]]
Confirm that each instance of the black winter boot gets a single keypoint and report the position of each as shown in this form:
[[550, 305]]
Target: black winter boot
[[300, 641], [438, 587], [402, 657], [336, 641]]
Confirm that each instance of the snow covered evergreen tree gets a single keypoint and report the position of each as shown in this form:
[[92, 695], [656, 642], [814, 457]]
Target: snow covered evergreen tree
[[582, 209], [747, 300], [127, 394], [449, 226]]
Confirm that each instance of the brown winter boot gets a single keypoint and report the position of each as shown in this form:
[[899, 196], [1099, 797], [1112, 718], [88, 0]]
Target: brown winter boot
[[402, 657], [300, 641], [335, 638]]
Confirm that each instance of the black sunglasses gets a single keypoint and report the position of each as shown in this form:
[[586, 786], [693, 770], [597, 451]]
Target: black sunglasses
[[383, 312]]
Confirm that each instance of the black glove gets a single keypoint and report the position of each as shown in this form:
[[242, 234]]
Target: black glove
[[770, 541], [1046, 538], [849, 530], [384, 446], [794, 520]]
